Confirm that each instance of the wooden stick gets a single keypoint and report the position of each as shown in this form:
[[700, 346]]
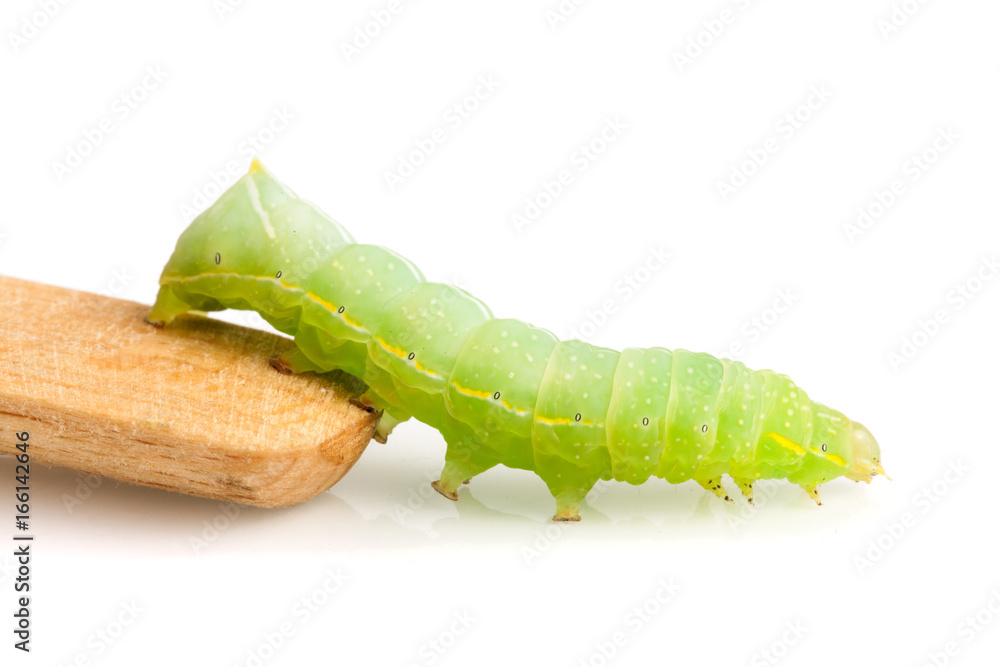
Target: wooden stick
[[193, 407]]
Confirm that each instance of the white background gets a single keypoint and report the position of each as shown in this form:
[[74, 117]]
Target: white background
[[890, 573]]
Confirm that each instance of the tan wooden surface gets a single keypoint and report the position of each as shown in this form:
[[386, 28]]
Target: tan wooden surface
[[193, 407]]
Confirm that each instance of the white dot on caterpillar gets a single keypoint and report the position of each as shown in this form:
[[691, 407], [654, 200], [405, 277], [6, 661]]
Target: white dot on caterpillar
[[788, 424]]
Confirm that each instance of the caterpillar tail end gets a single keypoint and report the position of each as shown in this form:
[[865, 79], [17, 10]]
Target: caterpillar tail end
[[167, 306]]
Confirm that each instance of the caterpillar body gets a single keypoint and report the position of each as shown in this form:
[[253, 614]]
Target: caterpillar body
[[500, 391]]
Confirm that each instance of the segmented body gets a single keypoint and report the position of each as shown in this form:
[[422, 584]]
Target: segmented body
[[498, 390]]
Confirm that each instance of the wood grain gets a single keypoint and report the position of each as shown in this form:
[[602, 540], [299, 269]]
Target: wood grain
[[193, 407]]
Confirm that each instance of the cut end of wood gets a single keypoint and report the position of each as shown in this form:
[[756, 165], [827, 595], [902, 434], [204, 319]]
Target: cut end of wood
[[193, 407]]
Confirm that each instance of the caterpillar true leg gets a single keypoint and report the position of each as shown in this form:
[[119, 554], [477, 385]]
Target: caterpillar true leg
[[813, 493], [746, 486], [715, 486]]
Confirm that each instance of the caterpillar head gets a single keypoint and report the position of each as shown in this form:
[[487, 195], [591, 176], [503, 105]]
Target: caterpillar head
[[867, 460]]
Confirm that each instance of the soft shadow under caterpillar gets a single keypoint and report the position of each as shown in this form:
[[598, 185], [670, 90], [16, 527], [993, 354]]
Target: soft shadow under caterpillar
[[498, 390]]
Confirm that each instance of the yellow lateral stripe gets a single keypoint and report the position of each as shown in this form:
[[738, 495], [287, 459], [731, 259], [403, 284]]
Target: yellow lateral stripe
[[389, 348], [786, 443], [829, 457], [333, 310], [402, 354], [470, 392], [562, 421], [326, 304], [557, 420], [485, 395]]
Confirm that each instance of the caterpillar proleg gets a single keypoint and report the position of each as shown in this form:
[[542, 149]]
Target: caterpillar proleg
[[500, 391]]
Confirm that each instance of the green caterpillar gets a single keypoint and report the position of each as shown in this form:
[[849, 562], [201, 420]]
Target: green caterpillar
[[498, 390]]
